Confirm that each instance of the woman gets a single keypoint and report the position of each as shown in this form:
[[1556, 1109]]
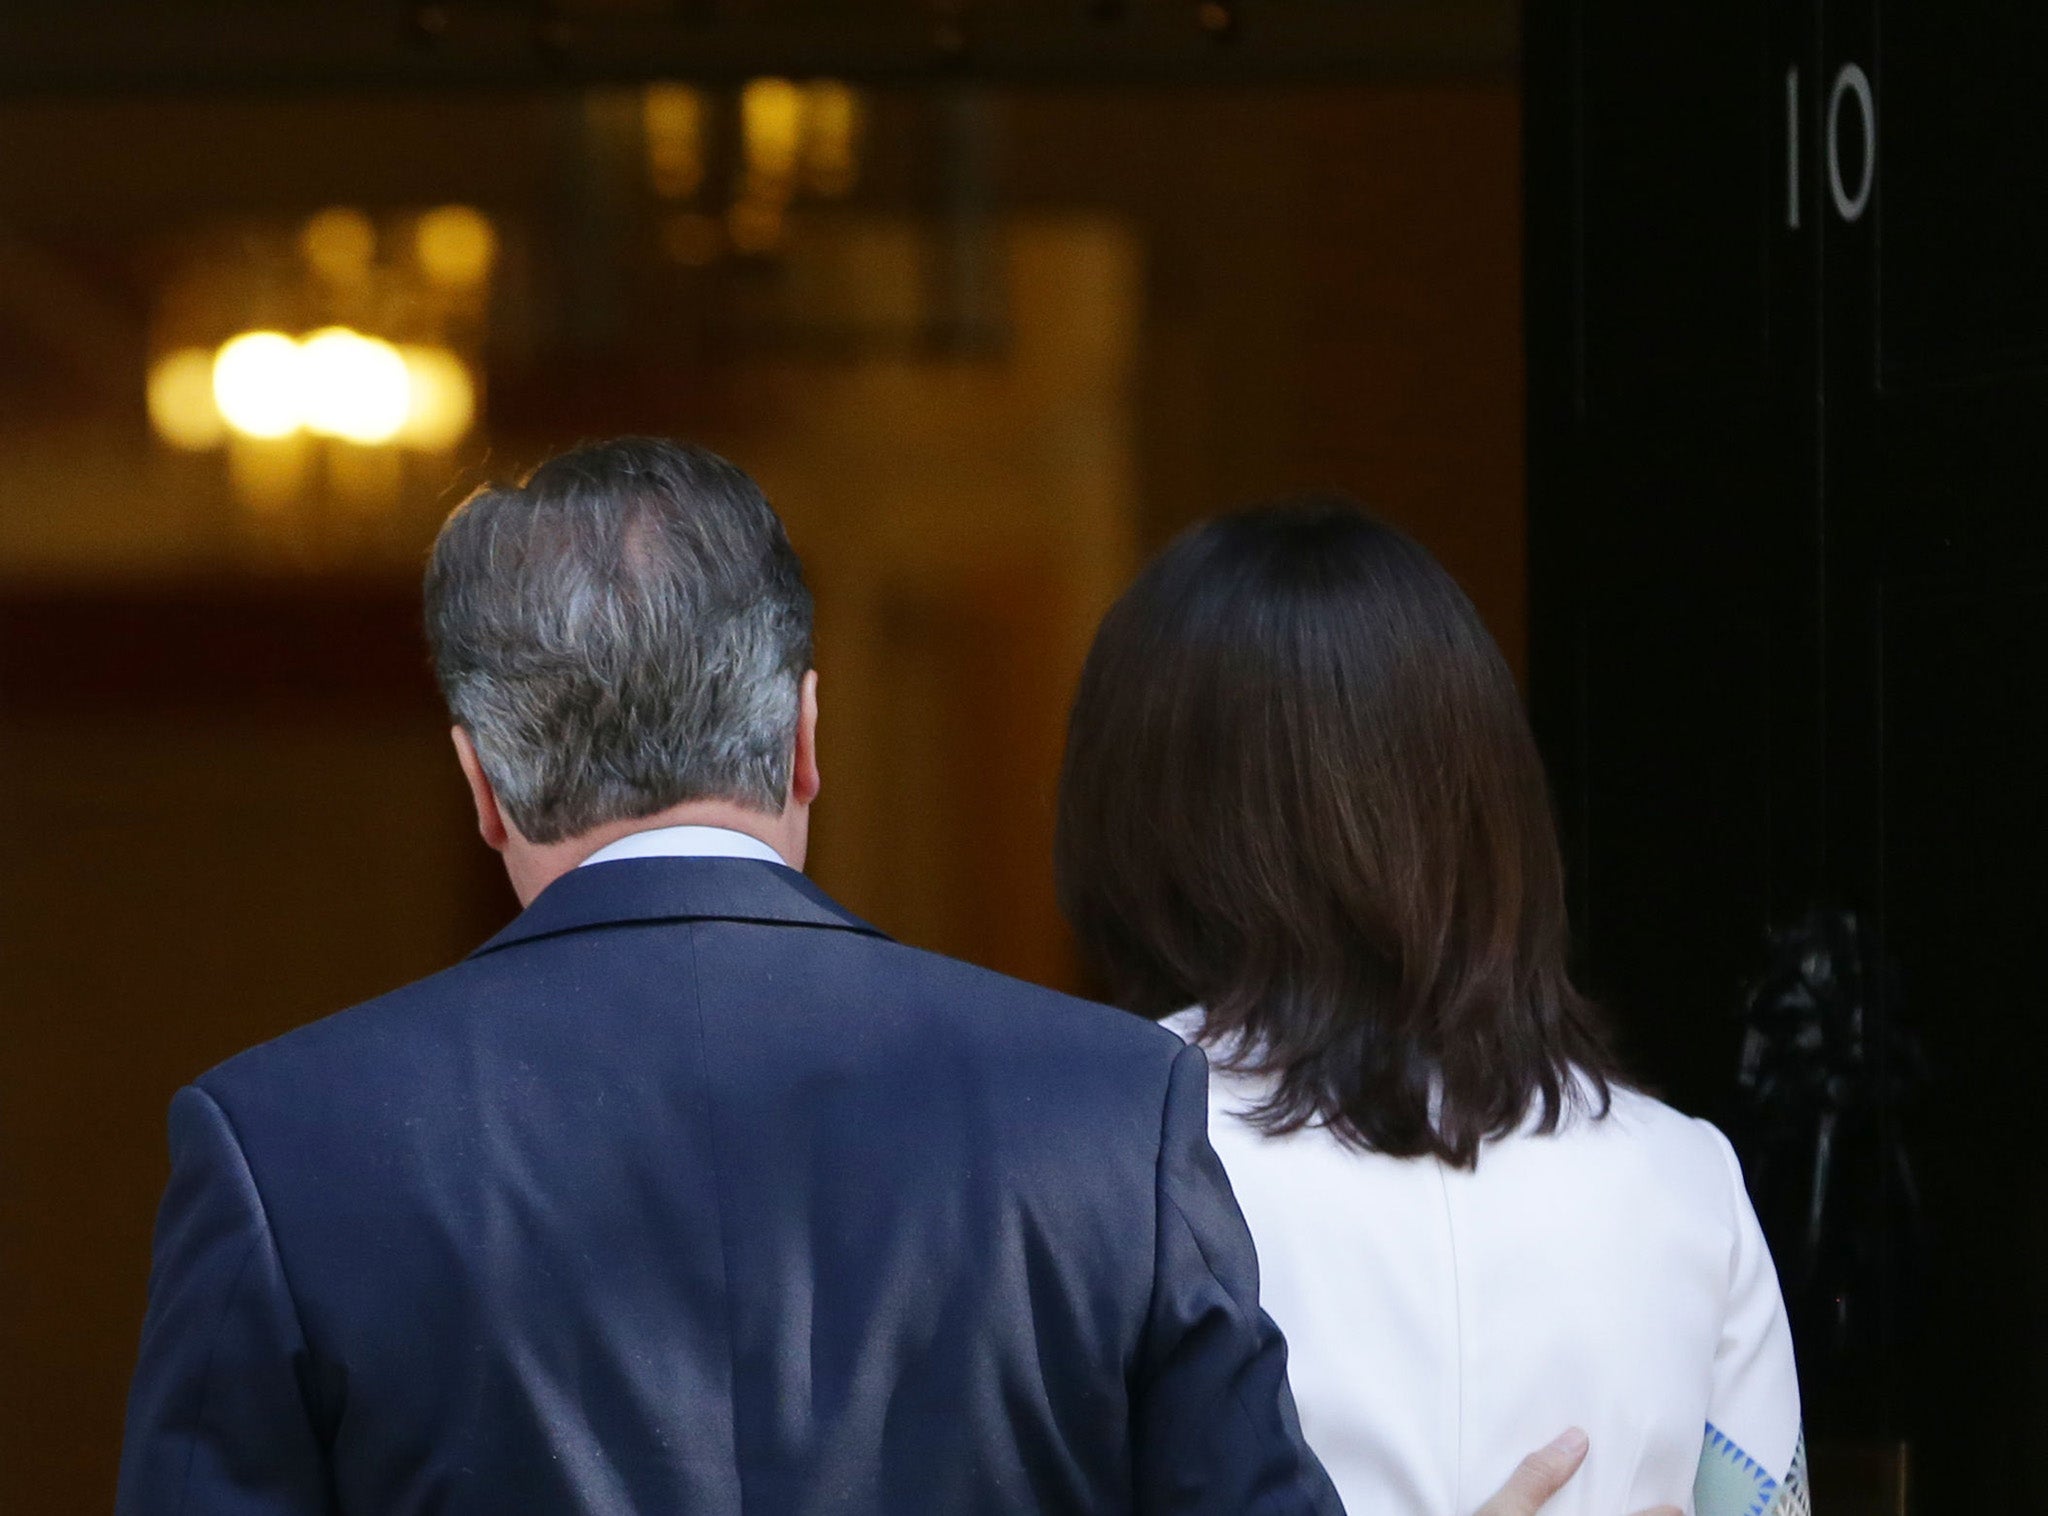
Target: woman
[[1303, 820]]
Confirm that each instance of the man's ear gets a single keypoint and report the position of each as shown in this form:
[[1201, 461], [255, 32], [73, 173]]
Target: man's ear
[[490, 821], [803, 774]]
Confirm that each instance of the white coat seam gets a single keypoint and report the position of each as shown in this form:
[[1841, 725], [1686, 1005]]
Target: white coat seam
[[1458, 1340]]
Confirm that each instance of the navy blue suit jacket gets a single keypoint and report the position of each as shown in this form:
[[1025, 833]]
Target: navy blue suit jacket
[[690, 1193]]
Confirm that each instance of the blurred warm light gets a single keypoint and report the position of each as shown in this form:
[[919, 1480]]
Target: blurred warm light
[[792, 138], [256, 384], [352, 387], [335, 383], [443, 399], [456, 246], [832, 138], [672, 121], [771, 128], [339, 244], [181, 405]]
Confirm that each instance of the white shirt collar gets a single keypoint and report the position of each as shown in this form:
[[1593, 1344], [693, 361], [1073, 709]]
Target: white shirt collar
[[684, 842]]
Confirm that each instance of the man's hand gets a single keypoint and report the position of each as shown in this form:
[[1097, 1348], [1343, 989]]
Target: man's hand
[[1542, 1474]]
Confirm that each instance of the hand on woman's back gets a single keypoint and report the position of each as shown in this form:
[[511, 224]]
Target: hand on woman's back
[[1542, 1474]]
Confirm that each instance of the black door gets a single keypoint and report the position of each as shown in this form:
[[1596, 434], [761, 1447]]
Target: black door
[[1788, 323]]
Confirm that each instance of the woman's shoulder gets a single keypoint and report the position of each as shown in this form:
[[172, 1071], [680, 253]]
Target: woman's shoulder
[[1643, 1117], [1684, 1154]]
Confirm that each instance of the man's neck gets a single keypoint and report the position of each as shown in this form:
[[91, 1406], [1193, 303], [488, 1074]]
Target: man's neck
[[533, 866]]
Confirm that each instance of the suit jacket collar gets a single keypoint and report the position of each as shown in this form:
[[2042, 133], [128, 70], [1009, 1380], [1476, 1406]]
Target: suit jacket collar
[[677, 889]]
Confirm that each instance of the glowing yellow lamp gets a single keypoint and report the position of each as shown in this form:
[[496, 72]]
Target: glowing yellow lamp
[[832, 147], [354, 387], [257, 384], [180, 394], [443, 403], [340, 243], [456, 245], [771, 127]]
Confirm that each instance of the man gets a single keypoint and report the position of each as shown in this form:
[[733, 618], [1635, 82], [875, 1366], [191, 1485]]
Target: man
[[690, 1192]]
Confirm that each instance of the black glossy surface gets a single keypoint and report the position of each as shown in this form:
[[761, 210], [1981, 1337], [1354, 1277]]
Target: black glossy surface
[[1790, 589]]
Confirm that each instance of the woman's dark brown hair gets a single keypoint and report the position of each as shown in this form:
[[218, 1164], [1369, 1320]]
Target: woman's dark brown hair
[[1301, 792]]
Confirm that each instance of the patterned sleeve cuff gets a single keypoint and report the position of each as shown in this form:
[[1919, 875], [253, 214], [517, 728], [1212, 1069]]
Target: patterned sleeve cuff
[[1731, 1483]]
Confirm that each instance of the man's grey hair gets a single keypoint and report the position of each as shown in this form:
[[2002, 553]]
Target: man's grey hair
[[627, 630]]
